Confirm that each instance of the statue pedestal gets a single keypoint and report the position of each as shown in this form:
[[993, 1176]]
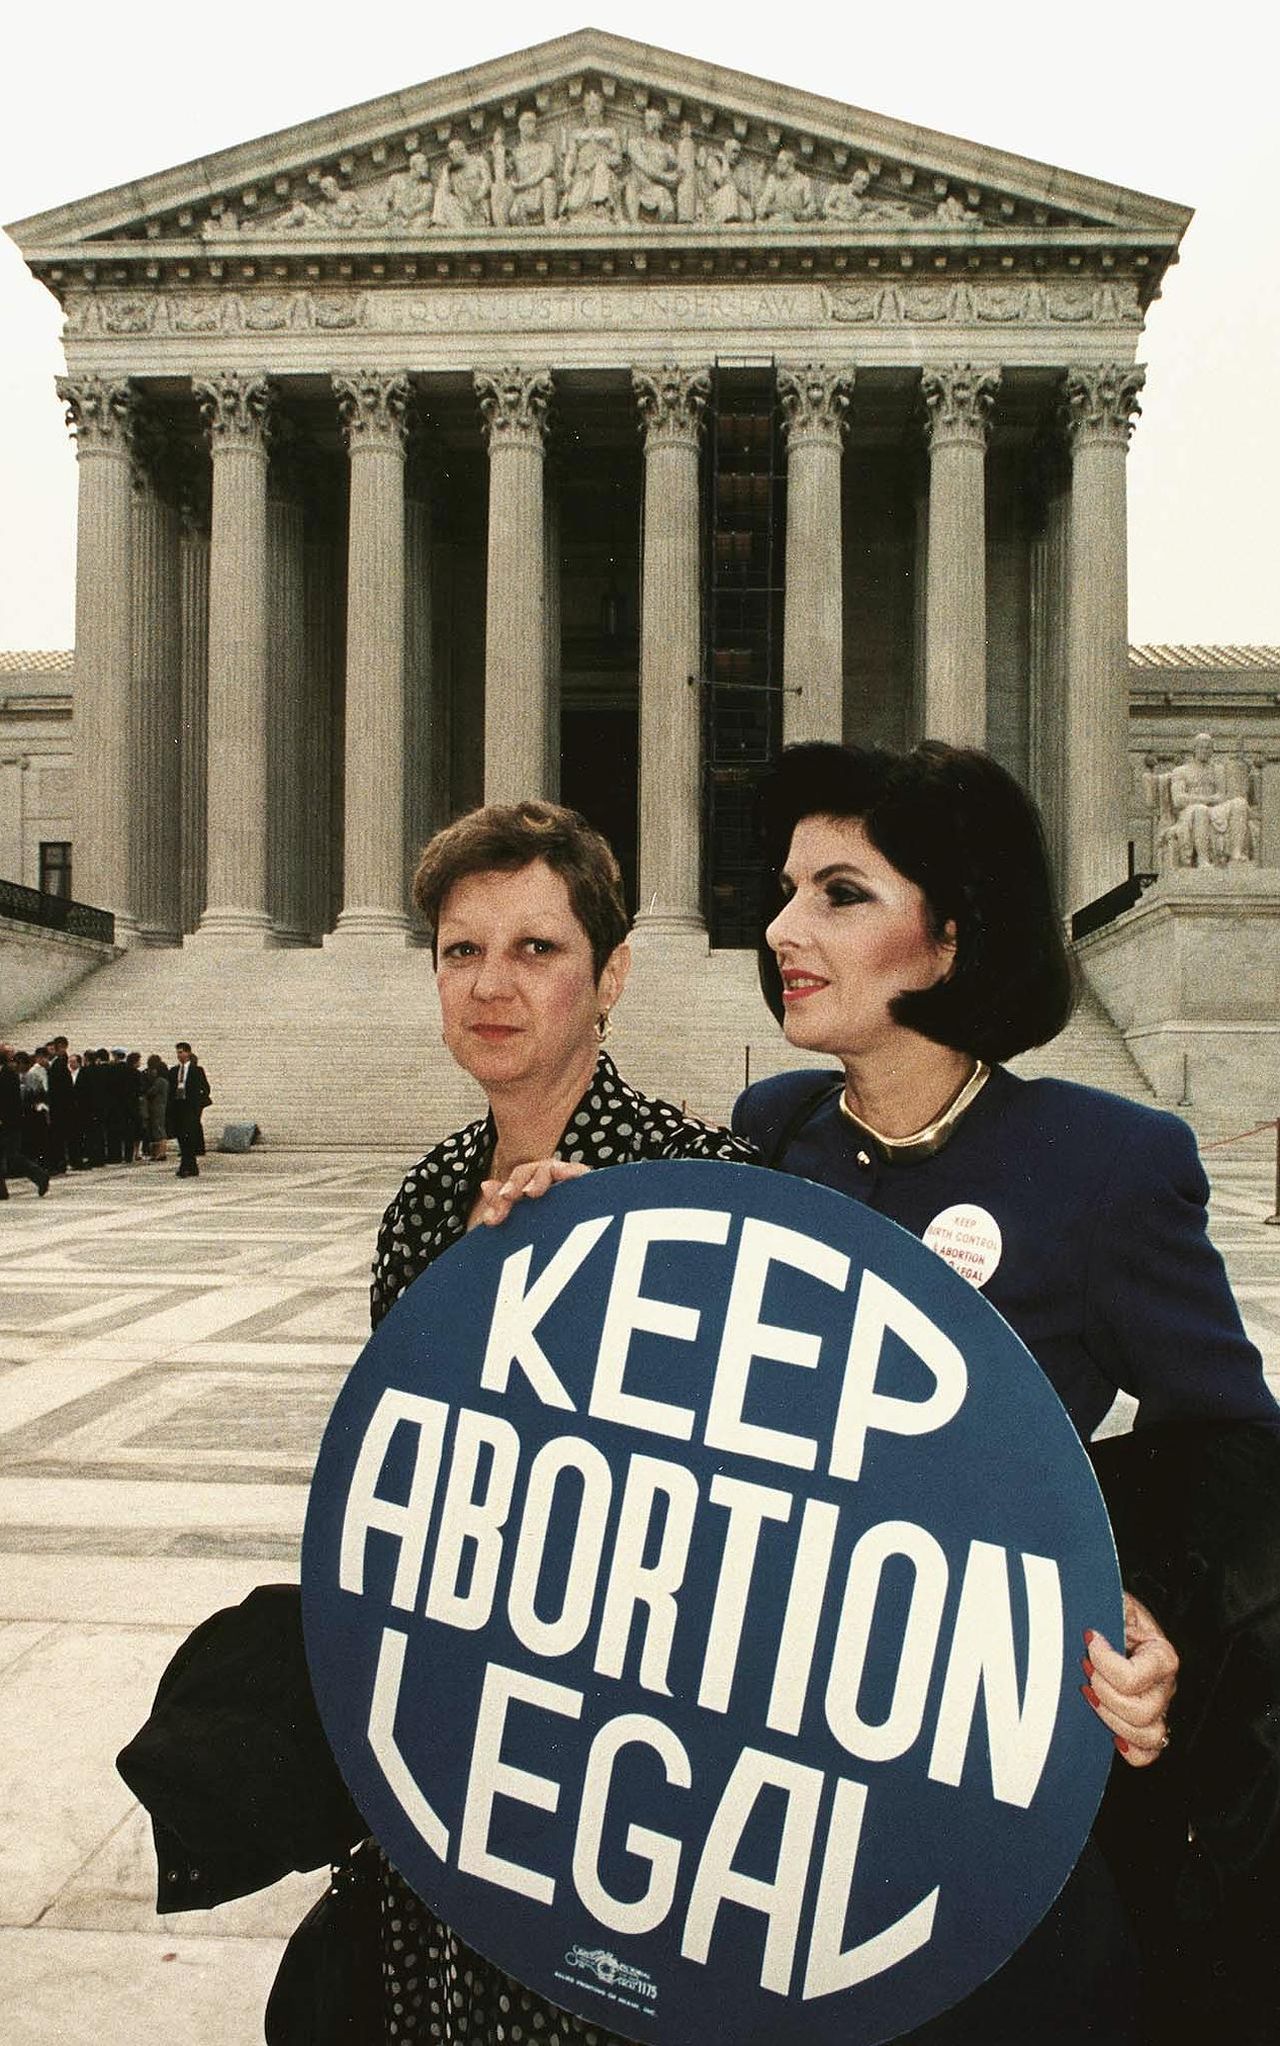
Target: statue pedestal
[[1191, 975]]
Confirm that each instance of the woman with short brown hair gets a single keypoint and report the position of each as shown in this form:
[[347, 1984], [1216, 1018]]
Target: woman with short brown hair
[[529, 936]]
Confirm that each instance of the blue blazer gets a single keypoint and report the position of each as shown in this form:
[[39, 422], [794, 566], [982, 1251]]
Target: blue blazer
[[1106, 1271]]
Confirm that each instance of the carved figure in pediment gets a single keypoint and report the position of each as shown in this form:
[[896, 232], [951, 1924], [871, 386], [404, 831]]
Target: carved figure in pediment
[[849, 202], [686, 174], [410, 195], [500, 187], [338, 209], [726, 187], [1210, 806], [532, 178], [648, 192], [592, 163], [334, 209], [301, 214], [220, 227], [953, 212], [788, 193], [462, 190]]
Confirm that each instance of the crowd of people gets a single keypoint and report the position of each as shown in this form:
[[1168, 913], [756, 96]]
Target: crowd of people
[[69, 1111]]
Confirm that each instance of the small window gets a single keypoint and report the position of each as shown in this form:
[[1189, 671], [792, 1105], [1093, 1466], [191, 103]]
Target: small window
[[55, 867]]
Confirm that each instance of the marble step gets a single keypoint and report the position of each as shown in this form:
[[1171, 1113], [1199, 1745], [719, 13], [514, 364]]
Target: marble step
[[341, 1046]]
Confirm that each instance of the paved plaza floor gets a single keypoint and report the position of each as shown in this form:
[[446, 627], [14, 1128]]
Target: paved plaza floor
[[169, 1351]]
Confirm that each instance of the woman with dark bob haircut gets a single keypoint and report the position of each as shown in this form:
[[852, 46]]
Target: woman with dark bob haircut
[[954, 823], [913, 936]]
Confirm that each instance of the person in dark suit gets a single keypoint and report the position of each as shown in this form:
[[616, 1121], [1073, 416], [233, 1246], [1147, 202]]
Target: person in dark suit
[[189, 1096], [79, 1112], [95, 1087], [60, 1106], [119, 1096], [14, 1161]]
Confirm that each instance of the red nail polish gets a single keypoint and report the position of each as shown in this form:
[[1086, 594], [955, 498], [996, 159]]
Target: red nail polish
[[1086, 1665], [1091, 1695], [1089, 1634], [1123, 1745]]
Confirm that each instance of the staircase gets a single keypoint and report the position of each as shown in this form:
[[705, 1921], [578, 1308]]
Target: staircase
[[340, 1047], [1090, 1050]]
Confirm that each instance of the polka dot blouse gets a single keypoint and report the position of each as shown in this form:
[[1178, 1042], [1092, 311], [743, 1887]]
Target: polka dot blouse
[[612, 1125], [435, 1988]]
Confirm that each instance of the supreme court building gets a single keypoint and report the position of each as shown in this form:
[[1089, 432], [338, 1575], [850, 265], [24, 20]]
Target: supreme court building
[[587, 424]]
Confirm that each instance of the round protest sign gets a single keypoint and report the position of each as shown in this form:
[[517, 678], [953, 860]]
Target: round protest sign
[[694, 1582]]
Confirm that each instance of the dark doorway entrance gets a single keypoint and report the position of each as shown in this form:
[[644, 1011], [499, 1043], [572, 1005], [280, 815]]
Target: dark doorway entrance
[[599, 485], [599, 772]]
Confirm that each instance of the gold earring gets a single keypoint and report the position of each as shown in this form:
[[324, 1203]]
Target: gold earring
[[604, 1025]]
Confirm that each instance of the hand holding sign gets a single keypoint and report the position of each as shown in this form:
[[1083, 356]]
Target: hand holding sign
[[526, 1182], [692, 1580]]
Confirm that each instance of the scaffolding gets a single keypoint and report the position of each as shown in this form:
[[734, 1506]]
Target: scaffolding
[[742, 686]]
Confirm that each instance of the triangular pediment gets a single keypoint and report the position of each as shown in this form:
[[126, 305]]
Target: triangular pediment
[[593, 136]]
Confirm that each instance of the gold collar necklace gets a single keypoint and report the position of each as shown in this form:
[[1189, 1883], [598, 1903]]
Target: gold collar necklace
[[922, 1143]]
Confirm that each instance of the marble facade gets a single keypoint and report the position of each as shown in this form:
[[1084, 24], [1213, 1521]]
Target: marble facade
[[399, 436], [35, 761]]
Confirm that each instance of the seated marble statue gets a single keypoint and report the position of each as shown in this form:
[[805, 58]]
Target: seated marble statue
[[652, 175], [787, 194], [462, 190], [532, 180], [592, 162], [410, 194], [1211, 824], [726, 191]]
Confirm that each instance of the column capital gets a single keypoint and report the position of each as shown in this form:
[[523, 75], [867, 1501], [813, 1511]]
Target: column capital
[[815, 399], [1101, 404], [513, 405], [671, 402], [236, 410], [374, 409], [101, 413], [958, 401]]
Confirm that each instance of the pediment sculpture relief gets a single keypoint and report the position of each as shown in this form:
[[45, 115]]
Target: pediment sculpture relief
[[597, 167]]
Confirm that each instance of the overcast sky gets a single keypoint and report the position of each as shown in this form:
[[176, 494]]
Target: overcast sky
[[1175, 101]]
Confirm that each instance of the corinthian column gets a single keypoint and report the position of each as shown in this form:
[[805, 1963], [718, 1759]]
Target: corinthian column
[[157, 744], [513, 404], [958, 401], [1101, 408], [291, 789], [101, 415], [237, 909], [194, 687], [373, 408], [815, 400], [671, 402]]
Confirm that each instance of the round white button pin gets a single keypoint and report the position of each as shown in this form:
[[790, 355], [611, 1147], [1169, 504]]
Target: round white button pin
[[969, 1238]]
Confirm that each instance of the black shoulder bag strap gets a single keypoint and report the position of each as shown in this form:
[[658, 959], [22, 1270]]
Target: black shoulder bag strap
[[810, 1101]]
